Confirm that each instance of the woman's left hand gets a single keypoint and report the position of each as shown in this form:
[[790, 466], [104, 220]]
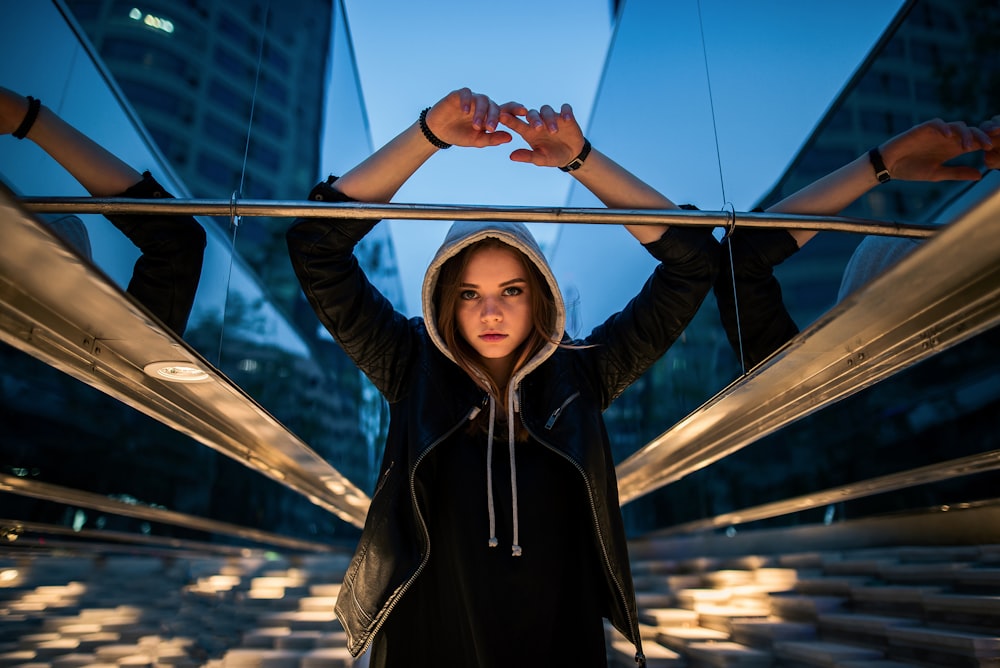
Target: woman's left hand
[[555, 139]]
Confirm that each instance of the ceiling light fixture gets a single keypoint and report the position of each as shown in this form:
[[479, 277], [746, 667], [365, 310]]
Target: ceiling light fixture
[[176, 372]]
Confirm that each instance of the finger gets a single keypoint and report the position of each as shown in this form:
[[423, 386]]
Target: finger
[[514, 108], [492, 116], [981, 138], [494, 138], [480, 111], [522, 155], [534, 119], [549, 118], [513, 122], [567, 112], [465, 99], [991, 127], [964, 133]]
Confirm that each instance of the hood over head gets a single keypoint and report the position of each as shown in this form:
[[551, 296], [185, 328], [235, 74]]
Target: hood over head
[[465, 233]]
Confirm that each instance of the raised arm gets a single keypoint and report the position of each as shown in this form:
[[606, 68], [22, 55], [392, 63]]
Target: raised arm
[[102, 173], [556, 140], [921, 153], [166, 275], [461, 118]]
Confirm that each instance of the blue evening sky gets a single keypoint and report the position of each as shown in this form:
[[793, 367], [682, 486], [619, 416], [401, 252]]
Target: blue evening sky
[[774, 65]]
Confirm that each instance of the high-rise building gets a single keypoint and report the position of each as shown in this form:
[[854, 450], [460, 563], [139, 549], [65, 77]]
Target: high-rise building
[[233, 94]]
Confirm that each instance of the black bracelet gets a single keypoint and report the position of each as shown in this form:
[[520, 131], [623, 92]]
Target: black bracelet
[[431, 137], [29, 118], [881, 173], [577, 162]]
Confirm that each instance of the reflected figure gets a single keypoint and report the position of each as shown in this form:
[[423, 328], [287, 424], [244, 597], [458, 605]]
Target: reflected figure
[[165, 277], [921, 153], [496, 434]]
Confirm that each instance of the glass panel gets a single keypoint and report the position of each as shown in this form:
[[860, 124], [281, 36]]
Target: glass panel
[[932, 412], [191, 138], [176, 91]]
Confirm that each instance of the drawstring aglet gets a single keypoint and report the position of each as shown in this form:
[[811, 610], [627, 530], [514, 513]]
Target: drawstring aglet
[[515, 550], [493, 541]]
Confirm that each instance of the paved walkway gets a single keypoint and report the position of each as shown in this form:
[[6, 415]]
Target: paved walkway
[[74, 611]]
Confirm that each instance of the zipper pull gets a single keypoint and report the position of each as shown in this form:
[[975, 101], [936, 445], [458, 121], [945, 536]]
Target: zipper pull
[[476, 410], [555, 414]]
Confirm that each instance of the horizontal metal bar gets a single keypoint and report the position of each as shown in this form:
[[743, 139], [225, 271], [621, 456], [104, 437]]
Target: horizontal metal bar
[[953, 468], [74, 497], [369, 211]]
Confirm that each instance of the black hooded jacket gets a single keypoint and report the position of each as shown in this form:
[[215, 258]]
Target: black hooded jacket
[[560, 401]]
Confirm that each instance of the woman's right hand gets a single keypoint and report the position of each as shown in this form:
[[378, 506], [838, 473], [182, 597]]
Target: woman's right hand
[[464, 118]]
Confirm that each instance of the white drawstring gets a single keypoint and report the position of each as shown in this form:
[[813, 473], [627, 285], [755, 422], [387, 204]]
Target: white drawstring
[[515, 548], [489, 475]]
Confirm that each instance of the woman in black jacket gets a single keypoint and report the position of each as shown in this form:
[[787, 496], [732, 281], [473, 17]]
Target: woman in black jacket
[[494, 535]]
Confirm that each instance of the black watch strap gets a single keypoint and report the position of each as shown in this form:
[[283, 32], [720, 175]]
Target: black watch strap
[[577, 162], [881, 173]]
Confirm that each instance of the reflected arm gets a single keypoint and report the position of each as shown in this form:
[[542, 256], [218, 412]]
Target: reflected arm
[[98, 170], [762, 323]]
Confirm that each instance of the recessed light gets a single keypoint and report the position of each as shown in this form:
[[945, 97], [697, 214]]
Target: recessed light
[[176, 372]]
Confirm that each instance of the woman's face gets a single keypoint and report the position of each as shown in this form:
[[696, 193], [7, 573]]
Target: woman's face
[[494, 308]]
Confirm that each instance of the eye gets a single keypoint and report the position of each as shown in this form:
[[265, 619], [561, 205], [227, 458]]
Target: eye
[[513, 291], [467, 295]]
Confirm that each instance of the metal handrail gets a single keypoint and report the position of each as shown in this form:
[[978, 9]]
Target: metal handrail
[[74, 497], [378, 211], [18, 531], [924, 475]]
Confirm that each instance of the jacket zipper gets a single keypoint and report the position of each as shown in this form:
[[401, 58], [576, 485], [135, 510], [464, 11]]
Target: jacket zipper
[[640, 658], [423, 525], [555, 414]]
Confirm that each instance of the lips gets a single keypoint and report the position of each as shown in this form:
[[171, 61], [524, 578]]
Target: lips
[[492, 337]]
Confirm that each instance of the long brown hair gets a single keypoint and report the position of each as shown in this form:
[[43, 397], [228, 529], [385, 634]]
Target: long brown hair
[[446, 296]]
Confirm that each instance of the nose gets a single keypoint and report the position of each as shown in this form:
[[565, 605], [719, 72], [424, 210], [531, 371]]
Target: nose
[[491, 311]]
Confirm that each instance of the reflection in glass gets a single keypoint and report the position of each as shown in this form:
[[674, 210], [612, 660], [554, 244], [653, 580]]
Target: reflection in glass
[[924, 415]]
